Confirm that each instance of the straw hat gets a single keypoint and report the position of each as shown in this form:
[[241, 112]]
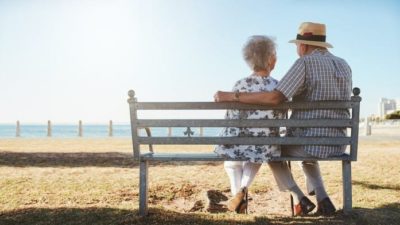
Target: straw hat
[[312, 34]]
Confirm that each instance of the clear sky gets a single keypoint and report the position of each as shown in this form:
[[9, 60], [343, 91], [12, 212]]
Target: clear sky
[[75, 60]]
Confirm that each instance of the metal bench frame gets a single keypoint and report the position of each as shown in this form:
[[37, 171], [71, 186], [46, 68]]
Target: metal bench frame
[[144, 158]]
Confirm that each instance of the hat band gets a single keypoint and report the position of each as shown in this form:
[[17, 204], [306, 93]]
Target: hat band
[[320, 38]]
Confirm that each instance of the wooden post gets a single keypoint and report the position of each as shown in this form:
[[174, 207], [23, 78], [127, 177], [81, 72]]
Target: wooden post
[[110, 129], [169, 131], [201, 132], [49, 131], [80, 130], [18, 130]]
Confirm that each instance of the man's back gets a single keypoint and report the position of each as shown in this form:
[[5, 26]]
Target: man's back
[[318, 76], [327, 77]]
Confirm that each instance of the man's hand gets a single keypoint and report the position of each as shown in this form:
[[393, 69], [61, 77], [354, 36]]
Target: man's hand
[[222, 96]]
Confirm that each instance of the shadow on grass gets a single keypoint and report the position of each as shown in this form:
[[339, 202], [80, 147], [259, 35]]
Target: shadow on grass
[[376, 186], [79, 159], [387, 214]]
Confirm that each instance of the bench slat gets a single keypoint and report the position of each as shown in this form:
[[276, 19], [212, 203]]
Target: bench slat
[[236, 105], [215, 157], [246, 140], [243, 123]]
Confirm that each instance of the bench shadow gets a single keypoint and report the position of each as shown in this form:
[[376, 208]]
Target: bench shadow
[[79, 159], [386, 214], [376, 186]]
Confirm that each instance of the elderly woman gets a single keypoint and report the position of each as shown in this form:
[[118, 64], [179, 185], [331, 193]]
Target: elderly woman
[[259, 53]]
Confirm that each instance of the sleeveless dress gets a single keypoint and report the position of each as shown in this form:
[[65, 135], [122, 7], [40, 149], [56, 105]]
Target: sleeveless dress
[[252, 153]]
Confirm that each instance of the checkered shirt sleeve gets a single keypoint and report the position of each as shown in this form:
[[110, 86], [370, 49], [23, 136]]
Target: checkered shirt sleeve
[[293, 82]]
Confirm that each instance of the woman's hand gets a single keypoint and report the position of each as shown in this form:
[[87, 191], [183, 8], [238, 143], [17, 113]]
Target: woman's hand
[[222, 96]]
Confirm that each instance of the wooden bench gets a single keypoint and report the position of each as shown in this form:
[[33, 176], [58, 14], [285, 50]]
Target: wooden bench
[[352, 141]]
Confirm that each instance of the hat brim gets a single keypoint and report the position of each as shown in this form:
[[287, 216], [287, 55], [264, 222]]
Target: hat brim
[[315, 43]]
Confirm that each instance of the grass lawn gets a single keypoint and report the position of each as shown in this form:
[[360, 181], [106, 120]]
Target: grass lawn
[[95, 181]]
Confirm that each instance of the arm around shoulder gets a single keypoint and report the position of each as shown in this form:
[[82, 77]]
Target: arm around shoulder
[[262, 98]]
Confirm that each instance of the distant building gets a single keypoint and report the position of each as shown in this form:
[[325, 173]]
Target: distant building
[[398, 104], [387, 106]]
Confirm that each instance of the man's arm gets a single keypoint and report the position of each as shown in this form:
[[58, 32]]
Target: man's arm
[[261, 98], [292, 83]]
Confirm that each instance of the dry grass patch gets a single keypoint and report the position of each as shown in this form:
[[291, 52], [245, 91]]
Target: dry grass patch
[[95, 181]]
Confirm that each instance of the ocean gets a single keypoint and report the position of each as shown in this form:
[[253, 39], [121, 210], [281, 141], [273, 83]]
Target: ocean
[[94, 131]]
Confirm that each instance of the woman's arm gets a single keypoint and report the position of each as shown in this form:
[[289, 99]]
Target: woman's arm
[[263, 98]]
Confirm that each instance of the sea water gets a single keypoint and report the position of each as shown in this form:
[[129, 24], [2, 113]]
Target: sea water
[[95, 131]]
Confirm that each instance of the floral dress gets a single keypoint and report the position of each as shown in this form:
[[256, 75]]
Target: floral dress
[[253, 153]]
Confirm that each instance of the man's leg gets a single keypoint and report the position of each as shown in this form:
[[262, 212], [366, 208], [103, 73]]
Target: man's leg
[[249, 172], [313, 179], [282, 173], [311, 171], [285, 181]]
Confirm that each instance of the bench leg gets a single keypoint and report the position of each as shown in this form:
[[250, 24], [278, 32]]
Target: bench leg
[[291, 196], [347, 188], [143, 188]]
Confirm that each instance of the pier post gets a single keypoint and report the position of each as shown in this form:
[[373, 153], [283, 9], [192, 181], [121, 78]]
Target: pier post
[[18, 130], [49, 131], [80, 129], [110, 129]]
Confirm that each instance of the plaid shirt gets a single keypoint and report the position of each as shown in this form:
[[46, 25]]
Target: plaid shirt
[[319, 76]]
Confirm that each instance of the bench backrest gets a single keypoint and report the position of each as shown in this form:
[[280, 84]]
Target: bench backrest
[[352, 123]]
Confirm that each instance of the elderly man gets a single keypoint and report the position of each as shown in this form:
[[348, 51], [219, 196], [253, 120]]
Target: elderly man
[[317, 75]]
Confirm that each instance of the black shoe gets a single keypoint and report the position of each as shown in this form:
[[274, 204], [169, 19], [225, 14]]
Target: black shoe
[[326, 207], [304, 207]]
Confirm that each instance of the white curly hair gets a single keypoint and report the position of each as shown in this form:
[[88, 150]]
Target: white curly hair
[[258, 50]]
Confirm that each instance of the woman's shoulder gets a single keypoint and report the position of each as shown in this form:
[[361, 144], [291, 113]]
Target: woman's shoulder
[[256, 82], [273, 80], [245, 81], [268, 82]]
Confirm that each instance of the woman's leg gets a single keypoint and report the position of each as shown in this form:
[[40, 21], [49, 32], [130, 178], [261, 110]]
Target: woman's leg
[[234, 169], [249, 172]]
